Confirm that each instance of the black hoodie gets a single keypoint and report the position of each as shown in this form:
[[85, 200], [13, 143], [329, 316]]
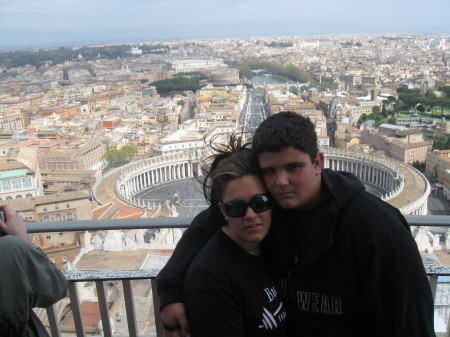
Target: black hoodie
[[360, 274]]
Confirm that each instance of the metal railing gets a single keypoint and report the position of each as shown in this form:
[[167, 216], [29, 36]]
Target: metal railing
[[126, 276]]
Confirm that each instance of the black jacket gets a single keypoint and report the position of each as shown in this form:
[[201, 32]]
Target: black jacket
[[362, 275]]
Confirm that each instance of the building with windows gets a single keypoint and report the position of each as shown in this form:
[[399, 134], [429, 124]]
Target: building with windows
[[180, 66], [81, 155], [13, 120], [437, 164], [398, 142], [61, 246], [19, 173]]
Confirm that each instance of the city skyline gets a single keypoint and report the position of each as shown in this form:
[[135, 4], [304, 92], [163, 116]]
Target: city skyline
[[28, 23]]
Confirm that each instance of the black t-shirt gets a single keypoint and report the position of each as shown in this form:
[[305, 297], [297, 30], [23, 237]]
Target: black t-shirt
[[229, 292]]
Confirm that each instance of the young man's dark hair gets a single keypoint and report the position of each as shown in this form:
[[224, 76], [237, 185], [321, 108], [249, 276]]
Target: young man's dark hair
[[286, 129]]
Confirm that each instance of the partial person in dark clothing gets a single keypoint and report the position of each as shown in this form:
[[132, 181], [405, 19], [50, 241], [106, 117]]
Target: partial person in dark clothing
[[345, 261], [28, 279], [227, 288]]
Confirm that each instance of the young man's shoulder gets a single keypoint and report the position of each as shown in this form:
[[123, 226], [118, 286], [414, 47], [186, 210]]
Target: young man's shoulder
[[371, 214], [366, 204]]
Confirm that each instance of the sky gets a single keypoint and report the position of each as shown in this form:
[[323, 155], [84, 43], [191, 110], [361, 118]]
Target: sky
[[66, 22]]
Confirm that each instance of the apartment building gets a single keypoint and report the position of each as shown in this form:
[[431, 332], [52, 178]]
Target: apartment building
[[436, 165], [410, 152], [19, 173], [13, 120], [66, 111], [179, 66], [346, 138], [406, 145], [220, 103], [80, 155], [60, 247]]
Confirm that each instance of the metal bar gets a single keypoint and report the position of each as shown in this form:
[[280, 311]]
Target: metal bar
[[433, 285], [93, 225], [104, 312], [129, 305], [438, 270], [103, 275], [448, 325], [156, 305], [53, 321], [76, 309]]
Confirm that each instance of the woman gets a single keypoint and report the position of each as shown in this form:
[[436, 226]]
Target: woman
[[227, 289]]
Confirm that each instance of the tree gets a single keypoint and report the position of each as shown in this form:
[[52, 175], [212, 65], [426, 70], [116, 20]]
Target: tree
[[293, 89], [116, 158], [446, 90], [420, 107], [181, 102], [391, 99], [245, 71], [419, 166], [376, 109]]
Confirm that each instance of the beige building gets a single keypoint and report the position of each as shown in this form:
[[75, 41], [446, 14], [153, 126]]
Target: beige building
[[343, 140], [75, 156], [19, 173], [59, 246], [220, 103], [13, 120], [436, 165], [406, 145], [442, 128], [410, 153]]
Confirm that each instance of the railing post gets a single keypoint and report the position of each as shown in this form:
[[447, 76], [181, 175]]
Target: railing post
[[103, 304], [156, 305], [433, 285], [53, 321], [76, 310], [129, 305]]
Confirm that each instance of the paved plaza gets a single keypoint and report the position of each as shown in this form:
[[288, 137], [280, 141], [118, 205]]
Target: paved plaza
[[188, 192]]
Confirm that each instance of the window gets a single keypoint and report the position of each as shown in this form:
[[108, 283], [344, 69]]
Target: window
[[19, 197], [48, 237], [67, 206], [69, 216], [60, 234], [26, 182], [46, 218], [17, 183], [45, 209], [56, 207], [6, 185], [58, 217]]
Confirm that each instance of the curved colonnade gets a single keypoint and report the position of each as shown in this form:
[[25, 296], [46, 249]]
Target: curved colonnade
[[403, 186], [151, 172]]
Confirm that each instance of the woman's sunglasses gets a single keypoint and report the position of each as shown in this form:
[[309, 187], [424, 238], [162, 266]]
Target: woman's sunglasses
[[237, 208]]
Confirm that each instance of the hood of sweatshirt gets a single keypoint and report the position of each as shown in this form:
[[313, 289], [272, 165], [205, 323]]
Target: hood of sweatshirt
[[340, 188]]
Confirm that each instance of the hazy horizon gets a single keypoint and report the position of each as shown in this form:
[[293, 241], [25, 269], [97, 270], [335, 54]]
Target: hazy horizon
[[40, 23]]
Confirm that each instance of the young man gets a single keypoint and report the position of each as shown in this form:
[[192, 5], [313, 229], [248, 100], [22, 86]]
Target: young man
[[345, 261]]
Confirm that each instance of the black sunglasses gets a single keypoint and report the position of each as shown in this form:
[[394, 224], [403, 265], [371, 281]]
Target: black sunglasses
[[237, 208]]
